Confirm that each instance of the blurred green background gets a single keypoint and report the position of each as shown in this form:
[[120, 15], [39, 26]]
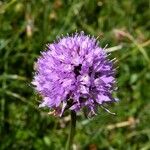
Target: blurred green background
[[27, 25]]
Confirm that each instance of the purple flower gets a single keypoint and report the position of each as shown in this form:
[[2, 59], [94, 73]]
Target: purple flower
[[74, 73]]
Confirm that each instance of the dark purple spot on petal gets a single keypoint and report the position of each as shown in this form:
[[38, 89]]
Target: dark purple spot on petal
[[77, 69]]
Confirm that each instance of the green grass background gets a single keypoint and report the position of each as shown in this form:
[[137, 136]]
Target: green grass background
[[27, 25]]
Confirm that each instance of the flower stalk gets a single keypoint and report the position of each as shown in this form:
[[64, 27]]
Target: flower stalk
[[72, 130]]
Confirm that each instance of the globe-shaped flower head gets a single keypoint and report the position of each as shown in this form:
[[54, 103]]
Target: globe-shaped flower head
[[74, 73]]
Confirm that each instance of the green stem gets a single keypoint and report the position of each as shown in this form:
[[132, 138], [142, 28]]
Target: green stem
[[72, 130]]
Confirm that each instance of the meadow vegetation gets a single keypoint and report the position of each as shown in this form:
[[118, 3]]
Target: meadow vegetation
[[27, 26]]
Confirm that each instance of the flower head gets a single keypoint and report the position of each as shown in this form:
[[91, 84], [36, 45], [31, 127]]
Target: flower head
[[74, 73]]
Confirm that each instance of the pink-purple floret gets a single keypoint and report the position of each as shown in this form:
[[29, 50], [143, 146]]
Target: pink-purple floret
[[74, 73]]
